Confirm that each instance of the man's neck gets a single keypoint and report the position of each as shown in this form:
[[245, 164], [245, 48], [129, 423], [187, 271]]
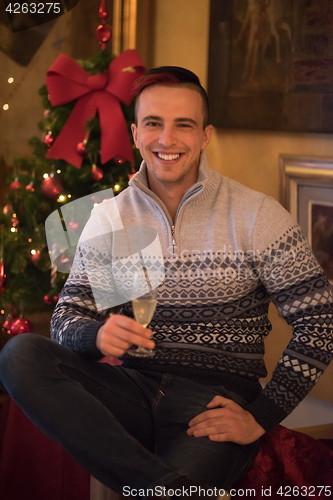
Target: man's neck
[[170, 197], [171, 193]]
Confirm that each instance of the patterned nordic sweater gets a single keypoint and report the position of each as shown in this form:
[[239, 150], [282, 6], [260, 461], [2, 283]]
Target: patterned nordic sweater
[[230, 252]]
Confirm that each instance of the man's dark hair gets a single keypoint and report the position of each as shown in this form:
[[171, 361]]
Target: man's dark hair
[[171, 75]]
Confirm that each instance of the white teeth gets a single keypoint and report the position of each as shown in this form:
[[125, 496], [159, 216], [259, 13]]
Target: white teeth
[[168, 157]]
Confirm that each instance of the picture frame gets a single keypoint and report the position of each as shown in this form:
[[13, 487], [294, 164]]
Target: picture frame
[[306, 191], [124, 25], [270, 65]]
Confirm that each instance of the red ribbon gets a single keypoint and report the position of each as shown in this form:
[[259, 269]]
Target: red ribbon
[[67, 81]]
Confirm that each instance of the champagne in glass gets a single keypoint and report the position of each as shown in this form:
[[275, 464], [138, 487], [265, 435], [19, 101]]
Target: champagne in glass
[[143, 309]]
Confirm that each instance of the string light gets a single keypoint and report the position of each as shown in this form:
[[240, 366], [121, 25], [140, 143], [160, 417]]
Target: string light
[[59, 171], [5, 106], [69, 196], [45, 176], [116, 187], [61, 198], [33, 252], [13, 229], [30, 240]]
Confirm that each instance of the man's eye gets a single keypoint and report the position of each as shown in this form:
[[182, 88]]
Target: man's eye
[[185, 125], [151, 124]]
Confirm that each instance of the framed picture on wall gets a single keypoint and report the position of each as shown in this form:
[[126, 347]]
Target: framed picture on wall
[[271, 65], [306, 191]]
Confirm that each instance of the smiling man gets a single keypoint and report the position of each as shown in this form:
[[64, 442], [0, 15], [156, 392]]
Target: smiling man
[[191, 416], [171, 132]]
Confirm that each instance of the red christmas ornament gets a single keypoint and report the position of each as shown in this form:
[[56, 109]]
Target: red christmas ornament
[[21, 325], [8, 209], [35, 257], [81, 147], [48, 299], [3, 278], [30, 187], [104, 31], [96, 173], [72, 226], [119, 159], [103, 13], [15, 221], [8, 323], [103, 34], [51, 188], [15, 184], [55, 298], [48, 139]]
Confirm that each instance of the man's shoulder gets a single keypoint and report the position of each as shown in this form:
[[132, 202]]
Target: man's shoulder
[[241, 194], [226, 185], [247, 203], [238, 187]]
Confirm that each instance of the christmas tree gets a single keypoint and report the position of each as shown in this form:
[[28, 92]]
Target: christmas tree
[[85, 148]]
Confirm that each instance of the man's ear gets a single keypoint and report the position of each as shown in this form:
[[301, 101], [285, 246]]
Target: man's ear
[[134, 134], [207, 135]]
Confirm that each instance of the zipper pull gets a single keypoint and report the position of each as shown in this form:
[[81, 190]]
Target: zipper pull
[[173, 237]]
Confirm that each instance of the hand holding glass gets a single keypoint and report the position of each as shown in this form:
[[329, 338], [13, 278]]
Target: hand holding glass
[[143, 309]]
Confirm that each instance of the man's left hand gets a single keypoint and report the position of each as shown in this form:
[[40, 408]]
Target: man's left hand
[[226, 422]]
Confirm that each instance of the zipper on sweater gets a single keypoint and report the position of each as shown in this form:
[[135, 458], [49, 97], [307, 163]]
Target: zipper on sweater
[[157, 202], [173, 238], [184, 201]]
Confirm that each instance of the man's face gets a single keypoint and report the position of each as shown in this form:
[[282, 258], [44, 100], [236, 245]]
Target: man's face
[[170, 135]]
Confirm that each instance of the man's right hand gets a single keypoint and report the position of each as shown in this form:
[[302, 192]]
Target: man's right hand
[[119, 333]]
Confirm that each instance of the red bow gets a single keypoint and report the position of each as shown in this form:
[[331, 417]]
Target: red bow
[[67, 81]]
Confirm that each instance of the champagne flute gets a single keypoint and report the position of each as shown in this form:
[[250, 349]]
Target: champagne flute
[[143, 309]]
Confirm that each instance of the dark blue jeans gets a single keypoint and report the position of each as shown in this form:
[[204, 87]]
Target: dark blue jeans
[[125, 427]]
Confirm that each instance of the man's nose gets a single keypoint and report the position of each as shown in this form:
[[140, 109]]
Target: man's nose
[[168, 136]]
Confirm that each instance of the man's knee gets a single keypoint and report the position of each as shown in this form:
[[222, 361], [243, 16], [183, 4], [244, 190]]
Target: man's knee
[[19, 354]]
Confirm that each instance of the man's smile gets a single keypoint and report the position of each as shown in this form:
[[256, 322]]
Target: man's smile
[[168, 156]]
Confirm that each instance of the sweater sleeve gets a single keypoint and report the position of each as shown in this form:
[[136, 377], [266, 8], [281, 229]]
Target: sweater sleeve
[[87, 294], [299, 289]]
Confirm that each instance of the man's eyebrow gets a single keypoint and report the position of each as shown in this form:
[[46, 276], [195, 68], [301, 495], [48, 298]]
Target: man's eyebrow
[[188, 120], [151, 117], [177, 120]]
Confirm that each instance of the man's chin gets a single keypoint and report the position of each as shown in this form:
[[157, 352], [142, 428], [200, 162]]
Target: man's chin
[[169, 179]]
